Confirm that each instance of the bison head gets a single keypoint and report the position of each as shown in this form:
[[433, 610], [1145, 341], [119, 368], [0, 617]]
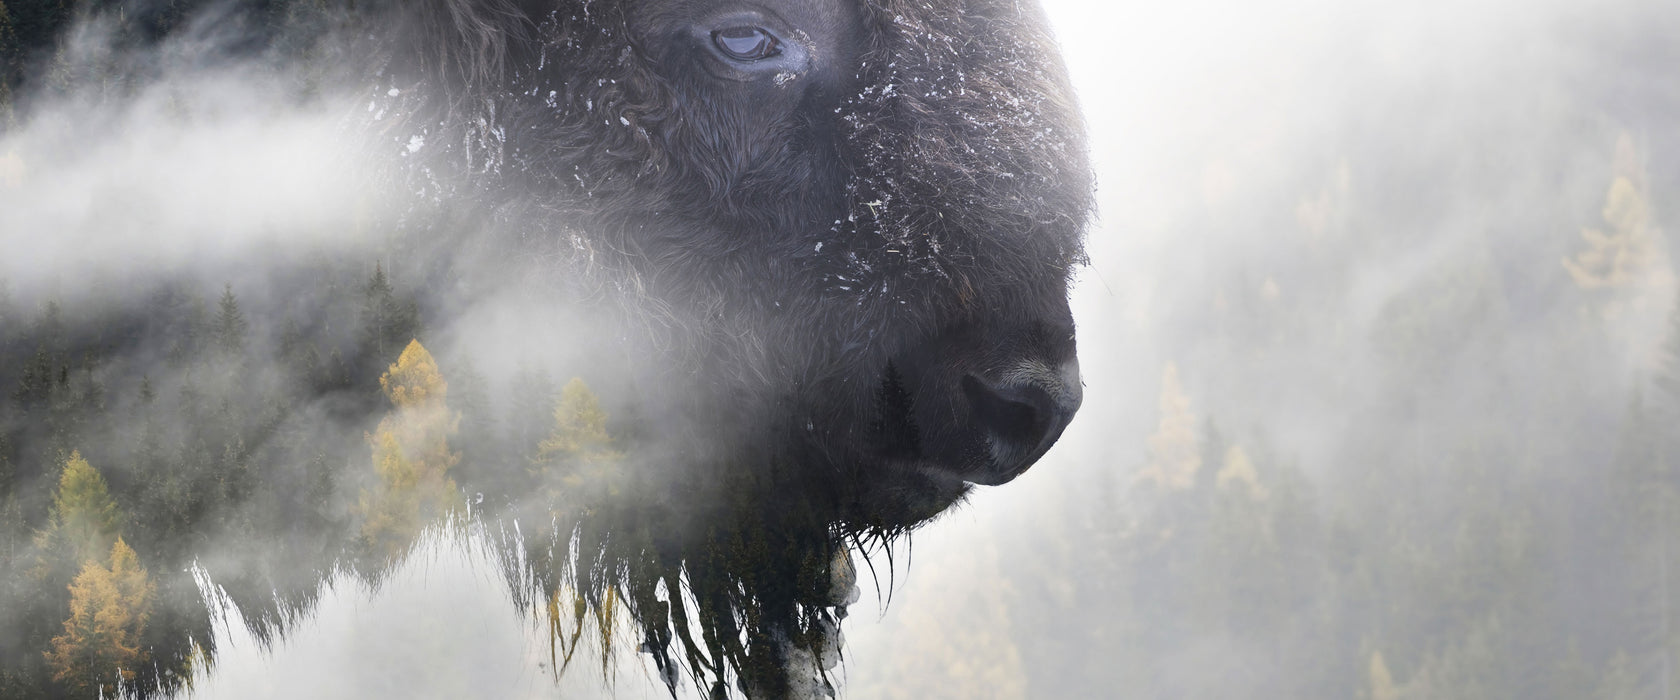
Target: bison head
[[850, 223]]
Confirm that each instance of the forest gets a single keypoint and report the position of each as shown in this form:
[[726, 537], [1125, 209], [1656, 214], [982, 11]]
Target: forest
[[1493, 518], [1483, 509]]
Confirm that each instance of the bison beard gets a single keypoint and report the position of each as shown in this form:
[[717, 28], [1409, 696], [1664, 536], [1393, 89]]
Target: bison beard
[[829, 242]]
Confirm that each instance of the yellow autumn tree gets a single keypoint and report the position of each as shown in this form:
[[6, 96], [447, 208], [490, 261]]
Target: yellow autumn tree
[[578, 466], [1626, 260], [411, 455], [1239, 473], [1174, 458], [83, 522], [109, 607], [1382, 682], [578, 460]]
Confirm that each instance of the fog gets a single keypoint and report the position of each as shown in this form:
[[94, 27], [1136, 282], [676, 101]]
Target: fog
[[1371, 340]]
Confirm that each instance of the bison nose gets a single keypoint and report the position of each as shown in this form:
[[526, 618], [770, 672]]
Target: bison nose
[[1021, 413]]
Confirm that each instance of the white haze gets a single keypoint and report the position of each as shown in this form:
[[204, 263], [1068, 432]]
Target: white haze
[[209, 168], [1207, 119]]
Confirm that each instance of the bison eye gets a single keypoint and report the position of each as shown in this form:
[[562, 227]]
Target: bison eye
[[746, 43]]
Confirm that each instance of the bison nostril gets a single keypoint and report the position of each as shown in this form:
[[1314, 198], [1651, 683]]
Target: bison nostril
[[1021, 415], [1013, 413]]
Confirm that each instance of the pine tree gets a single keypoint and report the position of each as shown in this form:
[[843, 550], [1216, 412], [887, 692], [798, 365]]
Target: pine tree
[[8, 312], [41, 371], [387, 323], [189, 340], [8, 38], [1668, 362], [8, 58], [532, 400], [1646, 512], [109, 608], [231, 326], [377, 308], [13, 530], [477, 439], [299, 356]]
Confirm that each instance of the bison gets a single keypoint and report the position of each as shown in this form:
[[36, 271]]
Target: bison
[[820, 251]]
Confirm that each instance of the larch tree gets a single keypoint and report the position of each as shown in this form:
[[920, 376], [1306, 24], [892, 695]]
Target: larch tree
[[411, 454], [1625, 264], [578, 459], [1382, 681], [1174, 459], [84, 519], [109, 608]]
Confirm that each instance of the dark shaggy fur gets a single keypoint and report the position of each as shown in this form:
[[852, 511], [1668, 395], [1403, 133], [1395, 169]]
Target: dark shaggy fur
[[823, 257], [832, 285]]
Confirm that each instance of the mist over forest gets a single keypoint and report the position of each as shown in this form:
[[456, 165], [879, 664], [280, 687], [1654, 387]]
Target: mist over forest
[[1380, 339]]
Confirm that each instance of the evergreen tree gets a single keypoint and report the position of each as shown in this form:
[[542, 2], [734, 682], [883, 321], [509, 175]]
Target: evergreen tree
[[9, 321], [231, 326], [36, 23], [189, 338], [8, 44], [1668, 362], [42, 370], [300, 356], [1646, 517], [13, 528], [387, 323], [532, 399], [478, 441]]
